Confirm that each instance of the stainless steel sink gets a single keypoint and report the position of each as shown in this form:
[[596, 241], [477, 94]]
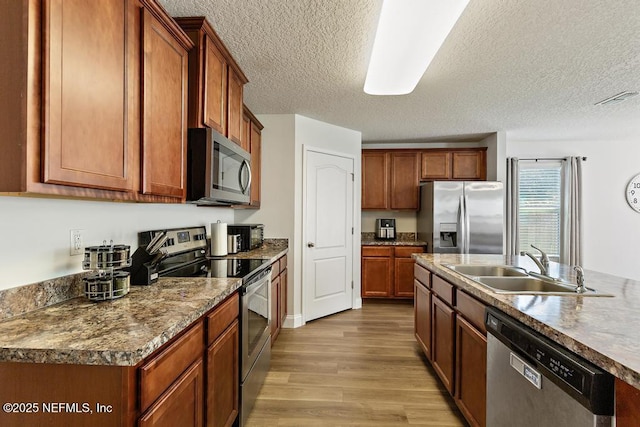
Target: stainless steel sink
[[506, 279], [487, 270]]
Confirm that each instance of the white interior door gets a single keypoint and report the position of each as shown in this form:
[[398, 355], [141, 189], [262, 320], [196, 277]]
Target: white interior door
[[328, 245]]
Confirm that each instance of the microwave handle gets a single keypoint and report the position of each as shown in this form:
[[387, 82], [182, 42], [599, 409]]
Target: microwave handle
[[245, 187]]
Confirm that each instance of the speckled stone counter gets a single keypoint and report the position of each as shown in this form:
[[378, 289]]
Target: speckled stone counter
[[403, 239], [121, 332], [604, 330], [272, 249]]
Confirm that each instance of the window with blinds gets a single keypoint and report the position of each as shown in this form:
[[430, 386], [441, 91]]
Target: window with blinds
[[540, 206]]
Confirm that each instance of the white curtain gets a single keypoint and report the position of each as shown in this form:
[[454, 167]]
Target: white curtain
[[572, 233], [513, 197]]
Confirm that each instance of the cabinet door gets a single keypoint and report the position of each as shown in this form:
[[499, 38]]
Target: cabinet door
[[422, 308], [223, 378], [469, 165], [165, 67], [627, 404], [377, 277], [403, 282], [256, 164], [375, 180], [181, 405], [245, 140], [443, 332], [283, 297], [234, 107], [87, 140], [275, 302], [404, 181], [214, 98], [471, 373], [435, 165]]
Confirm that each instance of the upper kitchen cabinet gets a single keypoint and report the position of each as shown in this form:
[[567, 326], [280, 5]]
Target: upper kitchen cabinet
[[448, 164], [164, 113], [215, 81], [390, 180], [254, 132], [80, 106]]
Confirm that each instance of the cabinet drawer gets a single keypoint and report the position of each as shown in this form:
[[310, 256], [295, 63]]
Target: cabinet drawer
[[377, 251], [443, 289], [157, 374], [406, 251], [422, 274], [283, 263], [472, 310], [221, 317]]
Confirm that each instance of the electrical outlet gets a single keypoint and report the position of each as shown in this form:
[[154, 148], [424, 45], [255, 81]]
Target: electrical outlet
[[76, 243]]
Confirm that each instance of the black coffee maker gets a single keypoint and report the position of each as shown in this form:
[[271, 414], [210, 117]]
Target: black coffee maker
[[385, 229]]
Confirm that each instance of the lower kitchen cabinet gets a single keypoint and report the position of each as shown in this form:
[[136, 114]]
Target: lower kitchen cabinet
[[182, 404], [387, 271], [627, 404], [471, 373], [223, 369], [443, 322], [451, 332], [278, 296], [422, 307]]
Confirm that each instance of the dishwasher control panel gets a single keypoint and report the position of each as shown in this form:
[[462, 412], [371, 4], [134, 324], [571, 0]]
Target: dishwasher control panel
[[577, 376]]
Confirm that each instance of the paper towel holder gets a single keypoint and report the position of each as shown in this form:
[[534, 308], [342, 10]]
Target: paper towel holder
[[218, 238]]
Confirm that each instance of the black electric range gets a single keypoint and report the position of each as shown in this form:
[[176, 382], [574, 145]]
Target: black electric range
[[185, 255]]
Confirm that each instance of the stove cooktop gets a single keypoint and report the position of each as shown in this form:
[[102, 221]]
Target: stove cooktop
[[219, 268]]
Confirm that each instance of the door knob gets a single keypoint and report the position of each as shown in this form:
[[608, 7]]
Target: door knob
[[311, 244]]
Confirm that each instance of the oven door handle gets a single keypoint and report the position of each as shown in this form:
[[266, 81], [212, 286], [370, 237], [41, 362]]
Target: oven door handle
[[253, 287]]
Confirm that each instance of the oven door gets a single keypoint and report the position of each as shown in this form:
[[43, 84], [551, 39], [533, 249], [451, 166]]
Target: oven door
[[256, 302]]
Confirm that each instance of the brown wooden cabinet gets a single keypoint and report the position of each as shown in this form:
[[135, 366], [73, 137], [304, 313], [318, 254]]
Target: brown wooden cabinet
[[390, 180], [278, 296], [255, 148], [215, 81], [164, 118], [471, 373], [89, 77], [223, 370], [387, 271], [85, 46], [443, 322], [627, 404], [454, 164], [422, 321], [456, 334], [182, 404]]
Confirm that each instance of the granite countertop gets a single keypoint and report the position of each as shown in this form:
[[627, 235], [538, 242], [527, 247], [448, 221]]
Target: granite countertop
[[121, 332], [403, 239], [52, 321], [603, 330]]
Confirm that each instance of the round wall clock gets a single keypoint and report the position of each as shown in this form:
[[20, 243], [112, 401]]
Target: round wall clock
[[633, 193]]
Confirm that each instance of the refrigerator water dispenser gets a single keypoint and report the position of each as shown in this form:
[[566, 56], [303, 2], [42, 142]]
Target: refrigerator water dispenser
[[448, 235]]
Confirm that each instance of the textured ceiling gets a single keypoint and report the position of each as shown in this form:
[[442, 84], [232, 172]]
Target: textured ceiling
[[531, 68]]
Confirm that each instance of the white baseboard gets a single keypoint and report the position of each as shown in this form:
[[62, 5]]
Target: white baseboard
[[357, 304], [293, 321]]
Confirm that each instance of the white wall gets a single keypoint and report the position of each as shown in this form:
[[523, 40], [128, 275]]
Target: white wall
[[611, 227], [35, 232], [405, 221], [283, 139]]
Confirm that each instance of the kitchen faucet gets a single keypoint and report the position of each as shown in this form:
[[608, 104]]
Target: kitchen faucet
[[543, 263], [579, 279]]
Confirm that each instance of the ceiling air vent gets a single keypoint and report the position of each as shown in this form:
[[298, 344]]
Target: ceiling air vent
[[617, 98]]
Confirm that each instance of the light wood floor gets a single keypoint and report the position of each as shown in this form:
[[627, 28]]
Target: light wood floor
[[355, 368]]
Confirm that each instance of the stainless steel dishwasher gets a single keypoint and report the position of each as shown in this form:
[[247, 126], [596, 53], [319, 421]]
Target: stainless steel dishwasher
[[532, 381]]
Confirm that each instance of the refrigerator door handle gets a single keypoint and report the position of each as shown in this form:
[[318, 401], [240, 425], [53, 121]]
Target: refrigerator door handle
[[462, 214], [467, 227]]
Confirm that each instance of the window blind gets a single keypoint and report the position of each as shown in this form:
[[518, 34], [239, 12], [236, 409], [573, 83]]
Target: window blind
[[540, 206]]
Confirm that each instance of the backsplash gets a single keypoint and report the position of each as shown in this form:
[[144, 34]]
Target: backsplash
[[23, 299]]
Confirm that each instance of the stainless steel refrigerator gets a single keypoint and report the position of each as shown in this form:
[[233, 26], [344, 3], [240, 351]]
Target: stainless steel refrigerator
[[462, 217]]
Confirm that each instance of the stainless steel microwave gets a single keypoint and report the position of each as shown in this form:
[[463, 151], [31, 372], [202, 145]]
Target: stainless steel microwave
[[218, 170]]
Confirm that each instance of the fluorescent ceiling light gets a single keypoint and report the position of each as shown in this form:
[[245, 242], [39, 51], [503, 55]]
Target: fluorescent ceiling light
[[409, 34]]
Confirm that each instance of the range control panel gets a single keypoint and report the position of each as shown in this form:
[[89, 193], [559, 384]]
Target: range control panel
[[177, 240]]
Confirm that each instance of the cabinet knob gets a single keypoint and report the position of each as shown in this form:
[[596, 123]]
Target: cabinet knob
[[311, 244]]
